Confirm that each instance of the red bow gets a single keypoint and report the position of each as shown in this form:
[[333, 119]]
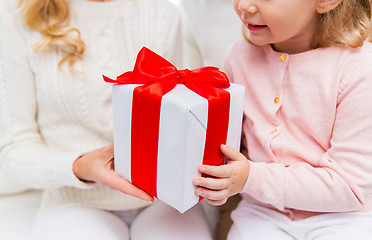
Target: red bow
[[159, 77], [150, 68]]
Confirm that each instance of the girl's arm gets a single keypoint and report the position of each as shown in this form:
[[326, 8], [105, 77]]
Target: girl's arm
[[340, 181]]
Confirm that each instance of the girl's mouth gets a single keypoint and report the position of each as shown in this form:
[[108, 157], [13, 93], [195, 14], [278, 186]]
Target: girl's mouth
[[253, 27]]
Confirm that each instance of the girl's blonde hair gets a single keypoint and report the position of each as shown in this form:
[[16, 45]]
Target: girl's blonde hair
[[51, 19], [349, 24]]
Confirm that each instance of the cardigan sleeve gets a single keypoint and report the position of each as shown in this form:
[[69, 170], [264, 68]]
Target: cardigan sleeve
[[22, 150], [342, 179]]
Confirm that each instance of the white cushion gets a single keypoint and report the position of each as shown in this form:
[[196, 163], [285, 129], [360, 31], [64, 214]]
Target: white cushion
[[17, 214]]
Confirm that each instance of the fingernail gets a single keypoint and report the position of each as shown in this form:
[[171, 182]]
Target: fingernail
[[199, 192], [197, 182], [223, 146], [203, 168]]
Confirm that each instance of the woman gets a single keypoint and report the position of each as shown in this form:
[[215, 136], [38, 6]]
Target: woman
[[56, 114]]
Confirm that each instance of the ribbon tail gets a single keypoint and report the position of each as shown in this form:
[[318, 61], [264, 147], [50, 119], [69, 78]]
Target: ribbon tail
[[108, 80], [217, 127]]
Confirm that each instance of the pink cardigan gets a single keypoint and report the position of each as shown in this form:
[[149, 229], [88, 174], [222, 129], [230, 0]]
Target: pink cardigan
[[307, 127]]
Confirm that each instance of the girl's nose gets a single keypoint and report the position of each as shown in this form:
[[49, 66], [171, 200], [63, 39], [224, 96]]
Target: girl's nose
[[247, 6]]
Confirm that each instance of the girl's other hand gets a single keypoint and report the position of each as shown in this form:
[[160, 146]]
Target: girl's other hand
[[226, 180], [97, 166]]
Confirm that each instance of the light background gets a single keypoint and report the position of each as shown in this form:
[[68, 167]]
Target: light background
[[176, 2]]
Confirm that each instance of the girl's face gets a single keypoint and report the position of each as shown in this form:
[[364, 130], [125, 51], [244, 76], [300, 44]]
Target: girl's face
[[286, 24]]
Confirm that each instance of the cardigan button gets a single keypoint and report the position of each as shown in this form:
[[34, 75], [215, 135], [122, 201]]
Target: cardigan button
[[276, 100], [283, 57]]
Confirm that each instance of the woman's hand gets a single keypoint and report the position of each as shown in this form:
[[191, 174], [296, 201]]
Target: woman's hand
[[226, 180], [97, 166]]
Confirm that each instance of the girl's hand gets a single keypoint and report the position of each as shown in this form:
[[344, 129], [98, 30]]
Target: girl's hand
[[226, 180], [97, 166]]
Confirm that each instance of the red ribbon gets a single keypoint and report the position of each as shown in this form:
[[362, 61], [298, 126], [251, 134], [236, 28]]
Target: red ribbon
[[159, 77]]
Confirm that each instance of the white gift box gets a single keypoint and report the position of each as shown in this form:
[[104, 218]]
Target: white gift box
[[182, 134]]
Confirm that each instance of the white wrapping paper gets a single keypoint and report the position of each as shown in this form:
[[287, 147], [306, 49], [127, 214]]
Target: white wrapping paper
[[182, 133]]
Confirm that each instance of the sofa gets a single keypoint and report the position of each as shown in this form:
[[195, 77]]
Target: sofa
[[18, 207]]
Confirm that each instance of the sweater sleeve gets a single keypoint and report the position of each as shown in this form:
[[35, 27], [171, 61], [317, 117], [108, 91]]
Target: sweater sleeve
[[342, 179], [22, 149]]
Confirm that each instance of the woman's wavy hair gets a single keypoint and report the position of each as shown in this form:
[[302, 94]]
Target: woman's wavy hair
[[349, 24], [51, 19]]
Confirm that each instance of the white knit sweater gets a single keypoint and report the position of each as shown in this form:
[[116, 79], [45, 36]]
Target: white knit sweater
[[50, 117]]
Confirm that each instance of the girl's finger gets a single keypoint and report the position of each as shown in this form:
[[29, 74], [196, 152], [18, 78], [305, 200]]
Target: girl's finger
[[212, 183], [216, 203], [215, 195], [231, 153], [223, 171]]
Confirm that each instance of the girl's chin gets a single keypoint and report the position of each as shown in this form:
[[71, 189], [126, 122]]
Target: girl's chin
[[255, 39], [257, 42]]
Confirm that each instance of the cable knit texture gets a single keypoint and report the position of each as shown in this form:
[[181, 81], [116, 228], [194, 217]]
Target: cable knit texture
[[50, 117], [307, 127]]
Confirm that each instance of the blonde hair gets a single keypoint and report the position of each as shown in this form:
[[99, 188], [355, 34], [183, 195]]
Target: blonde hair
[[349, 24], [51, 19]]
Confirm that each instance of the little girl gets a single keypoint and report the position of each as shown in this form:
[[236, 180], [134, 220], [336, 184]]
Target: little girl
[[306, 172], [56, 114]]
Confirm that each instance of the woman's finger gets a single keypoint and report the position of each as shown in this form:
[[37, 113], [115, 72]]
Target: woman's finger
[[115, 181], [107, 151], [110, 164]]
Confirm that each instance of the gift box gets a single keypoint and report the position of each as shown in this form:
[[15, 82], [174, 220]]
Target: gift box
[[168, 122]]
